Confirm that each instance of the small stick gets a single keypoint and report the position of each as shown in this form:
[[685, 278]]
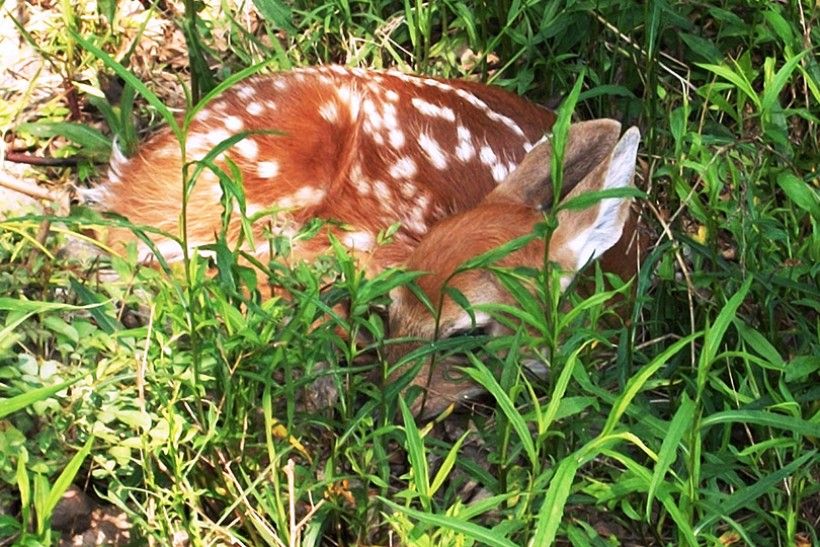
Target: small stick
[[28, 159], [26, 188]]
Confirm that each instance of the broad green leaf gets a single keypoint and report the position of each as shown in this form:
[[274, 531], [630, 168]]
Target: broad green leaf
[[447, 465], [588, 199], [97, 145], [278, 12], [557, 398], [552, 508], [100, 308], [560, 131], [800, 193], [702, 47], [758, 342]]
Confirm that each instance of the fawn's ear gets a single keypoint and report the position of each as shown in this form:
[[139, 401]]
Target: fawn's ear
[[587, 145], [585, 234]]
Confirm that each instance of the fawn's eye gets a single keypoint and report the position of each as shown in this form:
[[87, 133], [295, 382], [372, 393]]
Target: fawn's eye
[[472, 331]]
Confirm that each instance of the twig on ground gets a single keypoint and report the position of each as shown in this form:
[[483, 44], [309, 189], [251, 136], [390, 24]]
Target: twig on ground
[[27, 188], [28, 159]]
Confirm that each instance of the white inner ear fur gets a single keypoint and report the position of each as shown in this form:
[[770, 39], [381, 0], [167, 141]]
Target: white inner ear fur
[[602, 234]]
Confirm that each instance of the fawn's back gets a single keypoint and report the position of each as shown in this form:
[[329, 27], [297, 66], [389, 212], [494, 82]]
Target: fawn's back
[[368, 149]]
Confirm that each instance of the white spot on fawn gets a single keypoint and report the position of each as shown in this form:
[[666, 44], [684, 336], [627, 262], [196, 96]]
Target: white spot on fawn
[[437, 84], [362, 186], [489, 112], [216, 136], [248, 148], [234, 123], [255, 108], [390, 116], [329, 111], [196, 143], [381, 190], [433, 151], [414, 219], [433, 110], [487, 156], [349, 97], [404, 168], [396, 138], [499, 171], [309, 195], [465, 151], [392, 96], [267, 169], [359, 241], [422, 201], [304, 197], [509, 122], [372, 113], [245, 92]]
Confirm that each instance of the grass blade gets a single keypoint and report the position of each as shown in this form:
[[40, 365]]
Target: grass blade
[[416, 455], [474, 531], [132, 80], [481, 374], [18, 402], [681, 421]]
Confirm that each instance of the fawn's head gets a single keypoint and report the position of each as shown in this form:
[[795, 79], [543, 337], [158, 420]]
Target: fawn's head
[[594, 160]]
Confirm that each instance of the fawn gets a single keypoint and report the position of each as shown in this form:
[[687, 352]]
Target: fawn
[[370, 149]]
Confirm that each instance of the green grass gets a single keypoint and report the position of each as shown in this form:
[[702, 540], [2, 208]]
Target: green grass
[[178, 397]]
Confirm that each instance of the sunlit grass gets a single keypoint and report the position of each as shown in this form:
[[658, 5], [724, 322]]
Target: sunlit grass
[[693, 422]]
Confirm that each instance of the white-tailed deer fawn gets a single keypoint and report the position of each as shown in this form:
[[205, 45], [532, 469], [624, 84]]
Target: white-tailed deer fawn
[[371, 149], [365, 148], [595, 159]]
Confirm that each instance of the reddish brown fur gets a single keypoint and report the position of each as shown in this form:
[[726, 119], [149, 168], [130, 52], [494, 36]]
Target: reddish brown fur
[[334, 159]]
